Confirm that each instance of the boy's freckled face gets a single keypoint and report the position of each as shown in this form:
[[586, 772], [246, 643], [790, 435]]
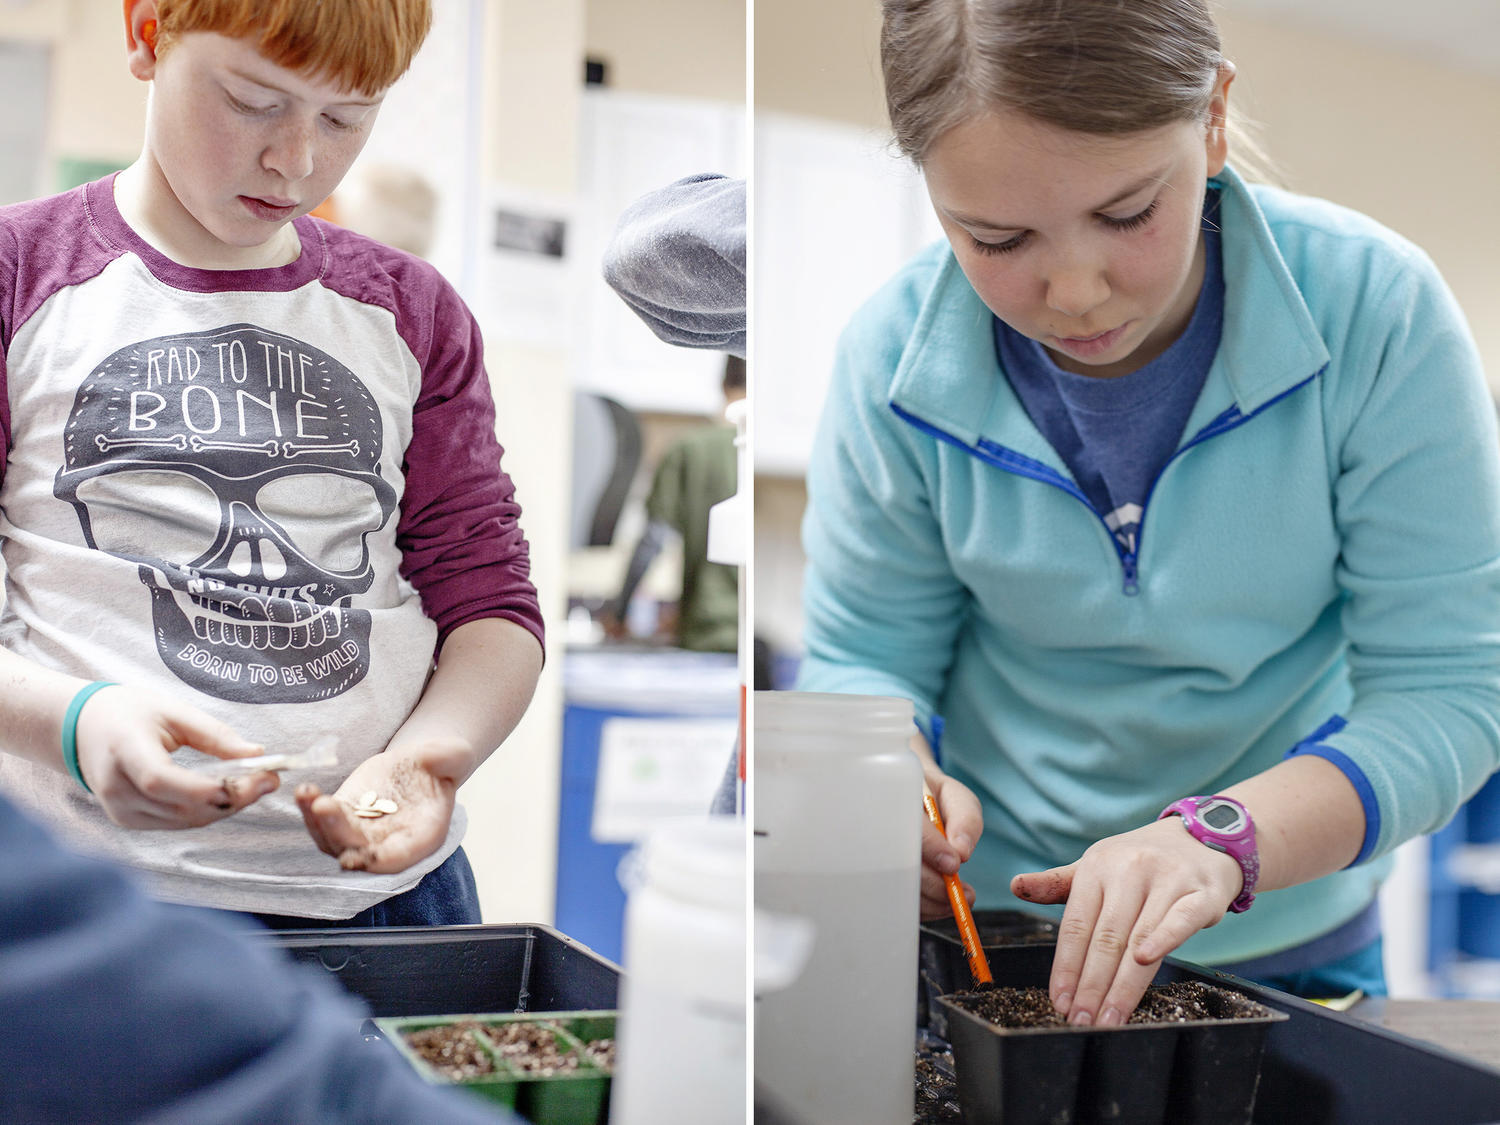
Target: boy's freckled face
[[245, 145]]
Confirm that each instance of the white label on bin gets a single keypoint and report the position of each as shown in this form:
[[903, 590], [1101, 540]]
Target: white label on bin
[[655, 769]]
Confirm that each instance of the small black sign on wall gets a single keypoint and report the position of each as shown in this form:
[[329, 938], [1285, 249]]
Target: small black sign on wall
[[530, 234]]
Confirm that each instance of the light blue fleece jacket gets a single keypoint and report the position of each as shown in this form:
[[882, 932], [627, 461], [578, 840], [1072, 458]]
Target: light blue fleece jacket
[[1325, 542]]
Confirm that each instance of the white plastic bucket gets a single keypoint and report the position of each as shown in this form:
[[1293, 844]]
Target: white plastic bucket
[[682, 1041], [836, 797]]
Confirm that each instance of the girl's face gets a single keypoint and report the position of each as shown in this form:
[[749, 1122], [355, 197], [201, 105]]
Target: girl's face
[[1089, 245], [242, 146]]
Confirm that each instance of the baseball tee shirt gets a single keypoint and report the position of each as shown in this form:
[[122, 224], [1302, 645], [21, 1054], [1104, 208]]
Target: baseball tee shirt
[[269, 493]]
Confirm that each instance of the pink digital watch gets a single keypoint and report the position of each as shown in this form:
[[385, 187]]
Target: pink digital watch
[[1224, 825]]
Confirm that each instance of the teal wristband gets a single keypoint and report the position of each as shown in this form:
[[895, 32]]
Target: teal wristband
[[70, 729]]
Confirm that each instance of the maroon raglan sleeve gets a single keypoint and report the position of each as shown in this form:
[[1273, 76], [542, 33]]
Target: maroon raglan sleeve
[[7, 321], [35, 262], [459, 533]]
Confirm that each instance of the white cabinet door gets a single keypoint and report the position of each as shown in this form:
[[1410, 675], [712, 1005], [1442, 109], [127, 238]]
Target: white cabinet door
[[430, 123], [836, 212], [23, 91]]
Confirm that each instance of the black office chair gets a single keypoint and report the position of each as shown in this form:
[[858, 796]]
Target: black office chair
[[606, 456]]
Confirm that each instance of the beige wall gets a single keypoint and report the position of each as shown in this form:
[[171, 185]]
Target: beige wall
[[819, 59], [1402, 137], [97, 109], [529, 120], [687, 48]]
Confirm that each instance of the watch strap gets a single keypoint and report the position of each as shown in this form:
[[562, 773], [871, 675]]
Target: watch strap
[[1241, 848]]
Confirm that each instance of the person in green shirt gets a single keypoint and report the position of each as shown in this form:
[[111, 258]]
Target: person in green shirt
[[696, 472]]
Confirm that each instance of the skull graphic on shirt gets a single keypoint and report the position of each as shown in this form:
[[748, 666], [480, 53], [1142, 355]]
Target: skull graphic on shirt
[[240, 469]]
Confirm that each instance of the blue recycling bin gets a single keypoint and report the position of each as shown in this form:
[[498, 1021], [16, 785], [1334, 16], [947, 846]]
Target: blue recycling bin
[[661, 723]]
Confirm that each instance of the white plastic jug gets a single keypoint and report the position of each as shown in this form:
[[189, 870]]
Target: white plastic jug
[[836, 798], [682, 1041]]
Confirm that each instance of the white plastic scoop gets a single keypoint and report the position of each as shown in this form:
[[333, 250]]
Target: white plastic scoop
[[320, 754]]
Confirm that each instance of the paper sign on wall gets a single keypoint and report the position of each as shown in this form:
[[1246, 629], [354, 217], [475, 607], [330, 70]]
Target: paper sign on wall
[[655, 769]]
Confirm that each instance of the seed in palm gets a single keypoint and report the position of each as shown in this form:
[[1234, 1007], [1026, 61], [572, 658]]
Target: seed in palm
[[371, 805]]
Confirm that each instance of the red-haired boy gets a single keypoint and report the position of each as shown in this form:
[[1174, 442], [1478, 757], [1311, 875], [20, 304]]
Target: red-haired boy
[[250, 487]]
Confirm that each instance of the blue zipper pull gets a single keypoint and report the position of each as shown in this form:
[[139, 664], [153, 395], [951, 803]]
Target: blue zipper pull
[[1132, 587]]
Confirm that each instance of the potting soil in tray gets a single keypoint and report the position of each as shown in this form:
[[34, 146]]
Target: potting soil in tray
[[552, 1068], [1018, 945], [1180, 1002], [936, 1100], [1191, 1056]]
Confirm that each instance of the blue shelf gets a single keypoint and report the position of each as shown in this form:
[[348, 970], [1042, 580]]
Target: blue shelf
[[1463, 918]]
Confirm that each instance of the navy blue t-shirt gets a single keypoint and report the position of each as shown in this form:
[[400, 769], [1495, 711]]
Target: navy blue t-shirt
[[1116, 435]]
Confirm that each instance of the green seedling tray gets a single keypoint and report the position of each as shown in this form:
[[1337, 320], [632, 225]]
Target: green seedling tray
[[578, 1097], [497, 1087]]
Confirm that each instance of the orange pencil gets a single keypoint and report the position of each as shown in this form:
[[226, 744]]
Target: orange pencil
[[979, 965]]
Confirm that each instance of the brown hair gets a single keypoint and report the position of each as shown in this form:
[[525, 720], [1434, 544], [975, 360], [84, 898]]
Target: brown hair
[[362, 45], [1105, 67]]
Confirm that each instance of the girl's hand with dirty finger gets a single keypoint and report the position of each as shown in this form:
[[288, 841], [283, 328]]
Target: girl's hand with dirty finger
[[1135, 897], [1131, 900]]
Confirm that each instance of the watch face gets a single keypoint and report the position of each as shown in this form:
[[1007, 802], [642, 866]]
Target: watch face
[[1221, 816]]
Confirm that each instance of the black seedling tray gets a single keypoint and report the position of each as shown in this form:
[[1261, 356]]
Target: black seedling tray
[[1319, 1067], [1017, 945], [431, 970], [1333, 1068], [1197, 1072]]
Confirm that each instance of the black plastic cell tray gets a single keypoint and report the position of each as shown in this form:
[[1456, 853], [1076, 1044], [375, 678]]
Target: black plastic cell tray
[[1320, 1067], [1017, 945], [1202, 1072], [433, 970]]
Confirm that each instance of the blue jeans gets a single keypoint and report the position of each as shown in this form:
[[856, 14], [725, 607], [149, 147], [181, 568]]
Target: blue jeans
[[446, 896]]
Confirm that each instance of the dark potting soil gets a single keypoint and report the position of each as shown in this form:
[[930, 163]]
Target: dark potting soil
[[937, 1088], [531, 1047], [451, 1050], [1179, 1002]]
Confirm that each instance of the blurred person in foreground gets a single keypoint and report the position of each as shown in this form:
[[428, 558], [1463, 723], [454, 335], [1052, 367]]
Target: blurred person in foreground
[[116, 1007]]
